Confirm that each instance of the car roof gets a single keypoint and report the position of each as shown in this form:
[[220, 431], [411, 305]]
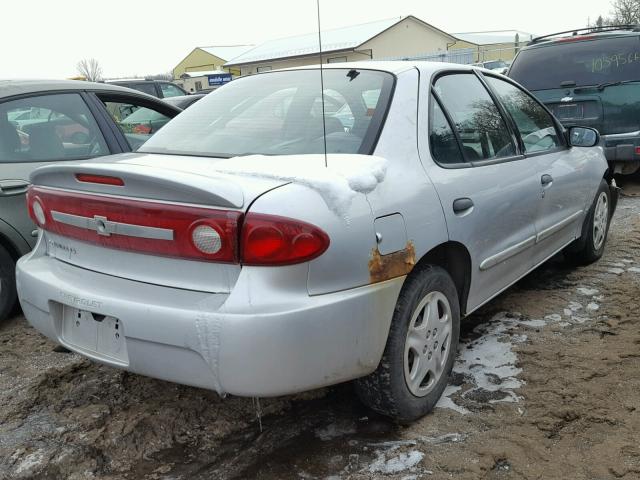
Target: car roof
[[10, 88], [133, 80]]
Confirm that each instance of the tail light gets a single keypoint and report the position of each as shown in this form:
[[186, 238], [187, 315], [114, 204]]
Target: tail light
[[141, 129], [176, 230], [142, 226], [273, 240]]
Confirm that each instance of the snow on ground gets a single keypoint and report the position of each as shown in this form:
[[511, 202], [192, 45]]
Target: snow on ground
[[488, 361], [338, 183]]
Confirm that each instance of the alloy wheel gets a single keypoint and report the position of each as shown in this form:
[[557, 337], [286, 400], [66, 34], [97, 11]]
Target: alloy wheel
[[428, 343]]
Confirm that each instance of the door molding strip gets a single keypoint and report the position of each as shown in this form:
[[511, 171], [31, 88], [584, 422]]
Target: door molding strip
[[547, 232], [513, 250]]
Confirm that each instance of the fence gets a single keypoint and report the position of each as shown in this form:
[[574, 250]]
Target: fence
[[463, 55]]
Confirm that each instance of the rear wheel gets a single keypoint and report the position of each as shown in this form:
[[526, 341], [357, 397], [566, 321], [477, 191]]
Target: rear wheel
[[590, 246], [8, 296], [420, 350]]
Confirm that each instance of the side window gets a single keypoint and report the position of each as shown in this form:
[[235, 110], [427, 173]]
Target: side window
[[170, 90], [481, 128], [535, 125], [49, 128], [138, 123], [442, 140]]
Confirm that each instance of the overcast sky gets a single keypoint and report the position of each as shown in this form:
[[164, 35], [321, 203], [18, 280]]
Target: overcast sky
[[46, 38]]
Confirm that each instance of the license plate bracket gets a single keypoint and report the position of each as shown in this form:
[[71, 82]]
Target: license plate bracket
[[98, 335]]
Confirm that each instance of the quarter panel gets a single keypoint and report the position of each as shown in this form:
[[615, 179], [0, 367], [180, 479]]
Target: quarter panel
[[345, 263], [407, 190]]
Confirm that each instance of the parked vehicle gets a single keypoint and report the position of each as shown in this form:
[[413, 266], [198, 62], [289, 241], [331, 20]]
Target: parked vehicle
[[50, 121], [499, 66], [590, 78], [156, 88], [230, 253], [184, 101]]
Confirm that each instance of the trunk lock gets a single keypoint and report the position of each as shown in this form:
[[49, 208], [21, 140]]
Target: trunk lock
[[101, 225]]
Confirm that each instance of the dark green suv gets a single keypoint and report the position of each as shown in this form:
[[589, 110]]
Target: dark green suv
[[590, 78]]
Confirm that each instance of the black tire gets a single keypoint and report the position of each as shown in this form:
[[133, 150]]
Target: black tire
[[589, 248], [8, 296], [386, 390]]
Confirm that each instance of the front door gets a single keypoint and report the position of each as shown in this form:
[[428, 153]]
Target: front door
[[487, 189], [562, 171]]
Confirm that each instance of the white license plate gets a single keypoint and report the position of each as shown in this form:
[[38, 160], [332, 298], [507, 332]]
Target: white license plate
[[98, 335]]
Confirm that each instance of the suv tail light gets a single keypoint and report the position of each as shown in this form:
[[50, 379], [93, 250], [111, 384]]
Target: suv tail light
[[272, 240], [176, 230]]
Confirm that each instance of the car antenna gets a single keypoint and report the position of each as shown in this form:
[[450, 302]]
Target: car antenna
[[324, 122]]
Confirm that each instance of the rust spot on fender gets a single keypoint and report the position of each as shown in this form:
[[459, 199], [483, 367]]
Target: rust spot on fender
[[396, 264]]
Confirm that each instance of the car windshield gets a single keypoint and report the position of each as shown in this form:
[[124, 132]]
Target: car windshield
[[280, 113], [589, 62]]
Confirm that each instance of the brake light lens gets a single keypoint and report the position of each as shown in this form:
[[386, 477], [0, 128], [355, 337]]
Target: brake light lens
[[575, 38], [176, 230], [100, 179], [269, 240], [142, 129]]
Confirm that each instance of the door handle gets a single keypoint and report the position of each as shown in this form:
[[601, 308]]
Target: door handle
[[546, 179], [461, 205], [13, 187]]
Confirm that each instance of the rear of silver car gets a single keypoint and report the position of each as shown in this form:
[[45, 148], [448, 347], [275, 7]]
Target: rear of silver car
[[142, 283]]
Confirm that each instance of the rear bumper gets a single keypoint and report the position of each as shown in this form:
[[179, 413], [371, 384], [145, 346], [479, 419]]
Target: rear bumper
[[271, 340], [621, 147]]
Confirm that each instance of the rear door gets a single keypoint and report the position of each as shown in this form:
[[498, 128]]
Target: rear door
[[37, 130], [562, 171], [487, 189]]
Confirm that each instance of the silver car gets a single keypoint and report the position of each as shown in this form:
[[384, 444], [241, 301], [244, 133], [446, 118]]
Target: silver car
[[231, 253]]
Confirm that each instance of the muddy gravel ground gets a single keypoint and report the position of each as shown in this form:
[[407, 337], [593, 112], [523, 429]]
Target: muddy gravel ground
[[546, 386]]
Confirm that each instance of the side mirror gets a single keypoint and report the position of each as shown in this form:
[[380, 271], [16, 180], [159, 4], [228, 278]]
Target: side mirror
[[583, 137]]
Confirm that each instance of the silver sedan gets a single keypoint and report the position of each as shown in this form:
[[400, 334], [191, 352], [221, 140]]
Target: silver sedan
[[274, 239]]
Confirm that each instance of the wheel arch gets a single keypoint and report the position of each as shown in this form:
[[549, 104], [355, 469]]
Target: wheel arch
[[456, 260]]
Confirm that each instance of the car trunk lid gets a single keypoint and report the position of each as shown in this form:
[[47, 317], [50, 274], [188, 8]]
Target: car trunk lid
[[133, 216]]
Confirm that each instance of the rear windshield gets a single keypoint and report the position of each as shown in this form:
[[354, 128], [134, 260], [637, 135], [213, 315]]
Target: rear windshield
[[589, 62], [280, 113]]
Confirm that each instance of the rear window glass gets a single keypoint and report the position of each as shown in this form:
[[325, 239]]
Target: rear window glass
[[280, 113], [589, 62]]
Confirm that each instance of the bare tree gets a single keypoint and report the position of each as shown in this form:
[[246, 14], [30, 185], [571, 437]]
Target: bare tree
[[90, 69], [625, 12], [160, 76]]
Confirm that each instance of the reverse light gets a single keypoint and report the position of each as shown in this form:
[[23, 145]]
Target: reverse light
[[270, 240], [38, 213], [206, 239]]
